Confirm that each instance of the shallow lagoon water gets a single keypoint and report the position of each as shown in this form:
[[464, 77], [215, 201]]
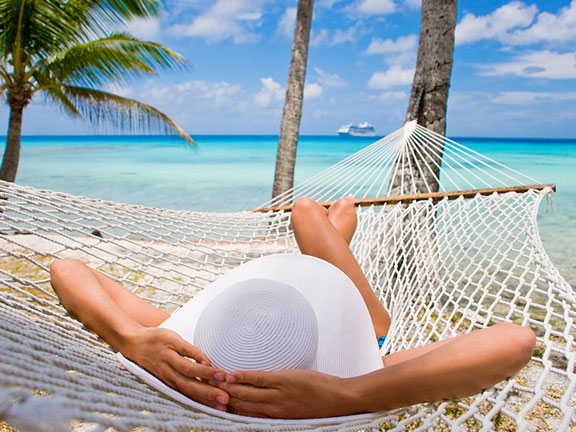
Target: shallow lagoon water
[[227, 173]]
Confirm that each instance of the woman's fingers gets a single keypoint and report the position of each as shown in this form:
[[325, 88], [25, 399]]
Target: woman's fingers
[[255, 378], [249, 393], [191, 369], [252, 393], [188, 350], [182, 366], [196, 389]]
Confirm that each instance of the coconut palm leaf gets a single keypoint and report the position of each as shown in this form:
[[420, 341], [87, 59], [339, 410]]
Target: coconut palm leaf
[[34, 28], [102, 16], [99, 106], [113, 58], [56, 94], [125, 9], [37, 27]]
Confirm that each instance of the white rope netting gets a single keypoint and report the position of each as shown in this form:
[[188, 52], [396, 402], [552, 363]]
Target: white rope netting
[[442, 268]]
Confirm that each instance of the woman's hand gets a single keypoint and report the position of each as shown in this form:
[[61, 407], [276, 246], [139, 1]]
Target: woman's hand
[[177, 363], [289, 394]]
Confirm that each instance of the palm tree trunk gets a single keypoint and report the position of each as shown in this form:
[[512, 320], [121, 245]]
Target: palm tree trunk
[[428, 105], [429, 98], [288, 141], [12, 152]]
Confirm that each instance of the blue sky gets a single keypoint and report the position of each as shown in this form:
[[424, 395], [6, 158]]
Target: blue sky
[[514, 70]]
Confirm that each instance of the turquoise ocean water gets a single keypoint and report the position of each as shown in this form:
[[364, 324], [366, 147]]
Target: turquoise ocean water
[[227, 173]]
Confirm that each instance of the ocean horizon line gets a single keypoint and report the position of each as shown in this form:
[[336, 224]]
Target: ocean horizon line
[[276, 136]]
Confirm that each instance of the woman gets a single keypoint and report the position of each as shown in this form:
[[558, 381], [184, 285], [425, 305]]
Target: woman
[[452, 368]]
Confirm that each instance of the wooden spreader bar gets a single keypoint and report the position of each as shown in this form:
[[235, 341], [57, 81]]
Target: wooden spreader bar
[[434, 196]]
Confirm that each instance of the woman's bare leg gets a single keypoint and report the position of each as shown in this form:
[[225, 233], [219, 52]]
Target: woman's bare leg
[[325, 234], [342, 214]]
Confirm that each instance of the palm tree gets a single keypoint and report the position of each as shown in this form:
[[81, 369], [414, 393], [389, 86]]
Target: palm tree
[[429, 97], [428, 103], [66, 50], [288, 141]]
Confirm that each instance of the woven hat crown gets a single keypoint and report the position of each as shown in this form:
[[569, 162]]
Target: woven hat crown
[[258, 324]]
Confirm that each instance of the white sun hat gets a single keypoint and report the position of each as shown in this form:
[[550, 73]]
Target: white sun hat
[[287, 311]]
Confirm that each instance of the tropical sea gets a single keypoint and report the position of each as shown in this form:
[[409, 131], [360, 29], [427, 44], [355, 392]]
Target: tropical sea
[[227, 173]]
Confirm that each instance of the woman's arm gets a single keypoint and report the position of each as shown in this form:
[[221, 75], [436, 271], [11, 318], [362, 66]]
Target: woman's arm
[[129, 325], [450, 369]]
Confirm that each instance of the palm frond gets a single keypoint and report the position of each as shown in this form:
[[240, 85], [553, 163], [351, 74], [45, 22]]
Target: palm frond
[[56, 94], [101, 16], [125, 9], [4, 75], [37, 28], [113, 58], [98, 106]]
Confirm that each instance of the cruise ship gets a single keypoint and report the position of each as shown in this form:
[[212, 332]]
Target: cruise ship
[[362, 130]]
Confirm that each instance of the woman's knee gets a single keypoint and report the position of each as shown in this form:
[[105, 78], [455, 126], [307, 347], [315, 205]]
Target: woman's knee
[[519, 343], [61, 266], [344, 206], [303, 205], [304, 208]]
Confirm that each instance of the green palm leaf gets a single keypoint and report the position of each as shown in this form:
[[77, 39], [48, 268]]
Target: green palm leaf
[[113, 58], [35, 27], [56, 94], [99, 106]]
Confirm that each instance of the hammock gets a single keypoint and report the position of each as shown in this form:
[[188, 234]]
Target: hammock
[[443, 263]]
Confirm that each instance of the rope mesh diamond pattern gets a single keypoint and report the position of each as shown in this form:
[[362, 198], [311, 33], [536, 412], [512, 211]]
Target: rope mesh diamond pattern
[[442, 269]]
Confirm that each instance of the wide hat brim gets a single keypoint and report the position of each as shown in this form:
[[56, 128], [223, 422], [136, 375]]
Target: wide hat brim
[[347, 344]]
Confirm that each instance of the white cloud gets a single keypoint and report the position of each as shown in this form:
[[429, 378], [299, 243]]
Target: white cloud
[[249, 16], [532, 98], [402, 44], [144, 28], [497, 25], [320, 38], [393, 96], [328, 3], [208, 93], [414, 4], [287, 22], [234, 19], [194, 104], [328, 79], [341, 36], [375, 7], [549, 27], [539, 64], [395, 76], [270, 92], [407, 59], [313, 91], [331, 38]]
